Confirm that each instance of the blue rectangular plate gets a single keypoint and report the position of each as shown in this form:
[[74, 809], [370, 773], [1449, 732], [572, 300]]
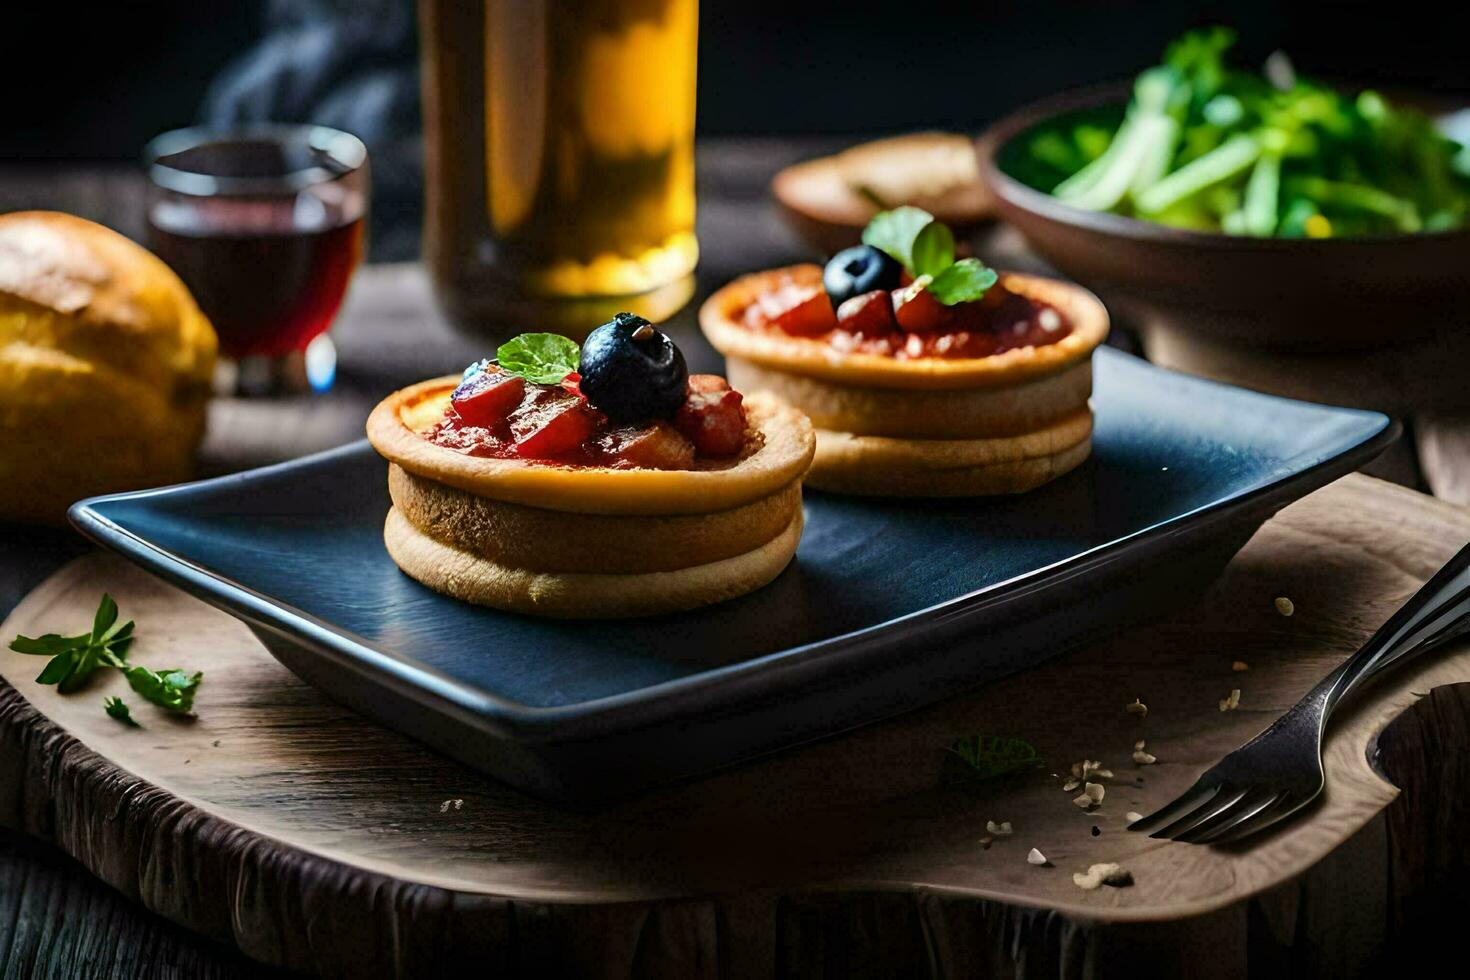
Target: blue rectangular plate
[[888, 605]]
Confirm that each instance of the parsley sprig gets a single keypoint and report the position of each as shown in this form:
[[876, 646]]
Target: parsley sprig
[[74, 659], [925, 247]]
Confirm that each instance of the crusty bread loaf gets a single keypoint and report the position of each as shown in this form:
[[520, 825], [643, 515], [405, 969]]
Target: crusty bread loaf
[[105, 364]]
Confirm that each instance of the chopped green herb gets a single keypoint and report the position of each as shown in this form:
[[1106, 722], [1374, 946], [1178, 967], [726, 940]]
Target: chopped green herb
[[541, 358], [118, 708], [172, 690], [991, 756], [74, 659], [895, 231]]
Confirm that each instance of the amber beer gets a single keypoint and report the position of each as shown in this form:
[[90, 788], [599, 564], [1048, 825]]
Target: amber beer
[[559, 159]]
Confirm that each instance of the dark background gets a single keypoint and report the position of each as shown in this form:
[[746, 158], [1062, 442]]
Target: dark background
[[96, 80]]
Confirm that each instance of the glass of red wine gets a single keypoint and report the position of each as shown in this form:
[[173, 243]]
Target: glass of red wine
[[265, 226]]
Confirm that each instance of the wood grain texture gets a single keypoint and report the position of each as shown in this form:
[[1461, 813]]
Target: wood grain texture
[[312, 839]]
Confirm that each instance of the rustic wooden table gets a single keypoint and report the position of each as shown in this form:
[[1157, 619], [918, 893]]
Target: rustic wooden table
[[1343, 893]]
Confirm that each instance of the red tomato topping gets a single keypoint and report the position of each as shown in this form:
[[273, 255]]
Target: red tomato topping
[[802, 311], [713, 416], [657, 447], [870, 314], [917, 310], [551, 422], [488, 397]]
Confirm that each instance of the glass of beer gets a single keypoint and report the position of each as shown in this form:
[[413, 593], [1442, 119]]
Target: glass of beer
[[265, 226], [559, 160]]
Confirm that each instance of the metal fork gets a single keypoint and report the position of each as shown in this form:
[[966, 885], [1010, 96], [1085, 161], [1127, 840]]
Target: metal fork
[[1279, 771]]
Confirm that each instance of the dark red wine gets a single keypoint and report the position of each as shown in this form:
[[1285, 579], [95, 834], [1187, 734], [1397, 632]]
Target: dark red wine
[[270, 274]]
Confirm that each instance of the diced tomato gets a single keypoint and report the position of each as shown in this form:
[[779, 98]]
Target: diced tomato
[[870, 314], [658, 446], [488, 397], [572, 383], [917, 310], [712, 416], [551, 423], [800, 310]]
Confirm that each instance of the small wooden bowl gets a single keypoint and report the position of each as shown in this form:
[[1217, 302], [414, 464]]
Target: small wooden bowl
[[823, 202], [1297, 294]]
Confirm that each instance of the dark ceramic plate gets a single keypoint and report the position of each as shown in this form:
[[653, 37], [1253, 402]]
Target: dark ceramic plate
[[888, 605]]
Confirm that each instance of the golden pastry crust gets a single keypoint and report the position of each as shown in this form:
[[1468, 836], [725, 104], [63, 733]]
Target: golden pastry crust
[[720, 318], [582, 595], [779, 454], [536, 539], [965, 413]]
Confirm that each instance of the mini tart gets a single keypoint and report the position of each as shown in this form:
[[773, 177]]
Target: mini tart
[[586, 541], [930, 426]]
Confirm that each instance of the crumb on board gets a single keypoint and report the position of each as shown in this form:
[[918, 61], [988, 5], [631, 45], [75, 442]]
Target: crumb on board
[[985, 843], [1137, 708], [1002, 829], [1231, 702], [1103, 874], [1037, 858], [448, 805], [1285, 606], [1133, 816], [1239, 666]]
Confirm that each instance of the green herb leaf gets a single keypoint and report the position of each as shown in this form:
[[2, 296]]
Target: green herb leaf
[[46, 646], [74, 659], [106, 616], [61, 667], [541, 358], [933, 249], [990, 756], [118, 708], [965, 281], [895, 231], [172, 690]]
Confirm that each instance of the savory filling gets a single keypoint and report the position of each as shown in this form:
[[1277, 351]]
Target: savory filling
[[623, 401], [901, 294]]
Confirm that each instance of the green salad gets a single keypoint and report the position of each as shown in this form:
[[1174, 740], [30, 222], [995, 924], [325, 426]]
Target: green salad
[[1206, 146]]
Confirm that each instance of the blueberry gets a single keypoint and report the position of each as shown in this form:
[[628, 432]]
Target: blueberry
[[631, 371], [857, 270]]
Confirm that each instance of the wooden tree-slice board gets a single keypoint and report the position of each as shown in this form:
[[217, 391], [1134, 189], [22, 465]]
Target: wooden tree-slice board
[[315, 839]]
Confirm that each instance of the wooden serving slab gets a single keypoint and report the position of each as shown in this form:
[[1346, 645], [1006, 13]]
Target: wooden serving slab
[[314, 839]]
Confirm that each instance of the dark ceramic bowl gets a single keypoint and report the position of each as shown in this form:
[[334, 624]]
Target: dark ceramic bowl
[[1299, 294]]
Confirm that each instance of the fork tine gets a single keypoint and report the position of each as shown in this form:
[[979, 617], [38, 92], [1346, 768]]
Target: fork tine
[[1250, 804], [1192, 798], [1222, 802], [1284, 807]]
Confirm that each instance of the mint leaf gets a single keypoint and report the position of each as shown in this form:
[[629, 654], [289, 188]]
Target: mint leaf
[[964, 282], [172, 690], [990, 756], [118, 708], [895, 231], [933, 249], [541, 358]]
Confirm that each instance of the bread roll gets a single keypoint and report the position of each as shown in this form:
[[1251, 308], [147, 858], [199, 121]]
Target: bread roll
[[105, 364]]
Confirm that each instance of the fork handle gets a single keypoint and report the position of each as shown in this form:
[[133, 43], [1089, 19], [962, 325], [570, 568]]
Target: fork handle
[[1437, 613]]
